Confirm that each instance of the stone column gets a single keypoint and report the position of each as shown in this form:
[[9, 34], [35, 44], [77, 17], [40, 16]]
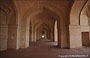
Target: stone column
[[55, 33], [52, 34], [89, 27], [3, 30], [27, 36], [89, 20], [35, 39], [59, 34], [89, 30], [33, 35], [49, 36], [45, 34], [18, 37], [63, 32], [75, 36], [38, 35], [22, 36], [59, 38], [12, 36], [3, 37]]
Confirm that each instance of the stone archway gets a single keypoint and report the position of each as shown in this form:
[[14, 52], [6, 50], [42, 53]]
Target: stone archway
[[74, 27], [8, 27], [29, 20], [26, 14], [46, 28], [84, 22]]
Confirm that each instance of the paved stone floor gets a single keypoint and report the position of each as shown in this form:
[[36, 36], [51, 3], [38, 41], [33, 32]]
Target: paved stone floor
[[45, 49]]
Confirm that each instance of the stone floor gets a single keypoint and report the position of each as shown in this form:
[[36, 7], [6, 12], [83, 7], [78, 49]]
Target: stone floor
[[45, 49]]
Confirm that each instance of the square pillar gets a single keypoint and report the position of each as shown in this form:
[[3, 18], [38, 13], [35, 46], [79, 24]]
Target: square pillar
[[22, 36], [75, 36], [3, 37], [12, 37], [27, 37], [33, 35]]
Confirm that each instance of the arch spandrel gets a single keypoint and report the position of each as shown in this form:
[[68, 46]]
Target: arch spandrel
[[75, 11]]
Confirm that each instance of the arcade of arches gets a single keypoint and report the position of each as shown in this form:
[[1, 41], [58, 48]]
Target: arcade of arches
[[63, 21]]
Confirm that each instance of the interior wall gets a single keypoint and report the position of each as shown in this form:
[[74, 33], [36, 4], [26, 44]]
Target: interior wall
[[18, 29], [58, 13], [3, 30], [84, 22], [8, 25], [12, 31], [75, 28]]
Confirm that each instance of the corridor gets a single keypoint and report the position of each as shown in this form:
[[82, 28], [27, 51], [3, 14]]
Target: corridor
[[44, 28], [43, 49]]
